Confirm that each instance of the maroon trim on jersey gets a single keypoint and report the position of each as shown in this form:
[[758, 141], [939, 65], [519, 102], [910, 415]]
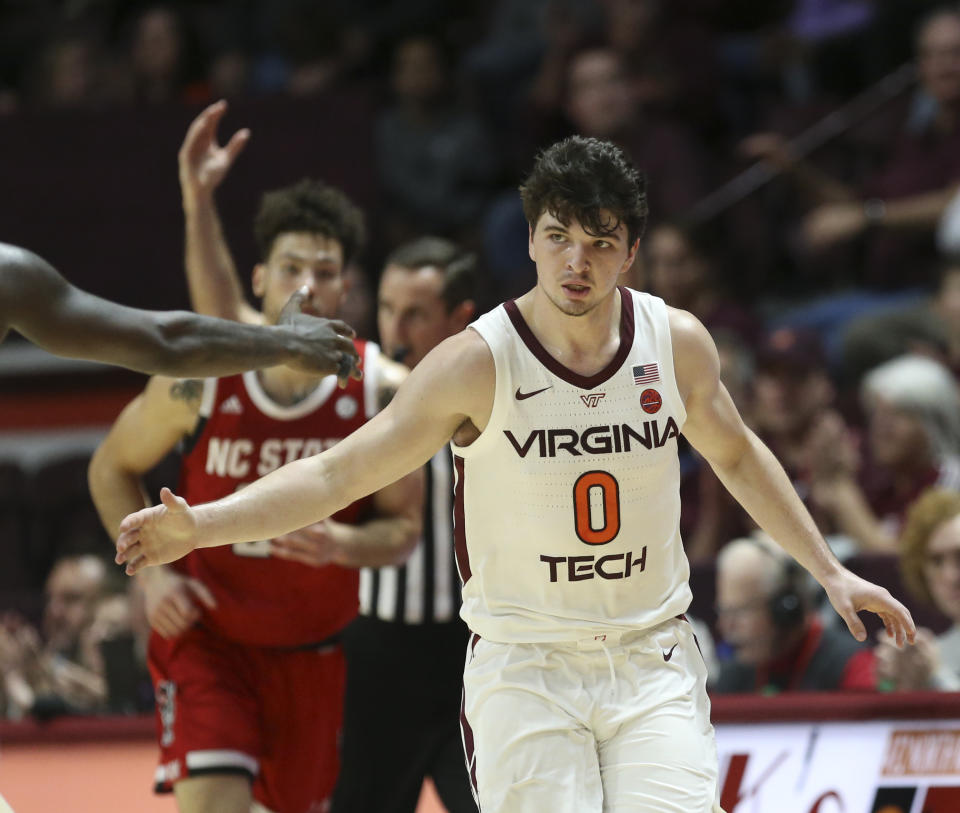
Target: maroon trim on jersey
[[459, 532], [469, 749], [627, 329]]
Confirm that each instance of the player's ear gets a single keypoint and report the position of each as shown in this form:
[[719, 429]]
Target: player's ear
[[530, 242], [346, 283], [632, 256], [258, 279]]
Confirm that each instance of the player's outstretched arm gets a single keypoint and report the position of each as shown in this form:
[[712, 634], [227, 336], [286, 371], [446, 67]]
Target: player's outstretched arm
[[39, 303], [215, 288], [148, 428], [452, 386], [756, 479]]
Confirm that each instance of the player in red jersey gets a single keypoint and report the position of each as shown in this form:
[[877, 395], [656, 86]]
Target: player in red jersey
[[245, 657]]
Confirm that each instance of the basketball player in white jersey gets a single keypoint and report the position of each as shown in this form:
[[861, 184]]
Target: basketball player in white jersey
[[583, 690]]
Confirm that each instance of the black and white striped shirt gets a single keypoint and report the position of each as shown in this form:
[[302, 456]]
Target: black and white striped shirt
[[426, 589]]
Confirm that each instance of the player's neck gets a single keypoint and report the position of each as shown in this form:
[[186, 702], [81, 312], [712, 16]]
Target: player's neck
[[585, 343], [286, 386]]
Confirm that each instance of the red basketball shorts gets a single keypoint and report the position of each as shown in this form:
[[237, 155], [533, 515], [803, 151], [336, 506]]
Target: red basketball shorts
[[272, 714]]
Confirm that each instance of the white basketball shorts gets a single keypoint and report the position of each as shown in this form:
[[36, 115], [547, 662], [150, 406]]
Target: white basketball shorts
[[613, 723]]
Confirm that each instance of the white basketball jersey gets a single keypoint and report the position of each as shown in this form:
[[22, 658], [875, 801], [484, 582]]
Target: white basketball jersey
[[567, 506]]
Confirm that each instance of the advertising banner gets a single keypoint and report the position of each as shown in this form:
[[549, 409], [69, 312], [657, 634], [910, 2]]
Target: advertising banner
[[896, 766]]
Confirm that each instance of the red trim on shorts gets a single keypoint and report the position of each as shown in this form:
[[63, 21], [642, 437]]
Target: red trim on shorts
[[459, 531]]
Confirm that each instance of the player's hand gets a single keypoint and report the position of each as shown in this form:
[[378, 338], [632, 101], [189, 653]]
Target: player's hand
[[849, 594], [174, 602], [202, 161], [325, 345], [157, 535], [314, 545]]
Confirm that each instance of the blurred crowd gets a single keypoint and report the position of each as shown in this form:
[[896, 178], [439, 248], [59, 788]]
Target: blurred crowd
[[832, 289]]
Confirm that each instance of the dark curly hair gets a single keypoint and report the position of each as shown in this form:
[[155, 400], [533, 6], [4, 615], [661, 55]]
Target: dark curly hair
[[586, 180], [309, 206]]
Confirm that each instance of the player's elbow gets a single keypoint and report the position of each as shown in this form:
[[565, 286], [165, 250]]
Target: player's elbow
[[176, 348]]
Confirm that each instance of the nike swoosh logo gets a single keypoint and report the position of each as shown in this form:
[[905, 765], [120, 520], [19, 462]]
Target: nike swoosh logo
[[520, 396], [668, 655]]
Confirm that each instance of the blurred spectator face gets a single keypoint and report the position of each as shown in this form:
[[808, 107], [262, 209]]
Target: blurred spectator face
[[938, 57], [941, 568], [228, 75], [71, 67], [157, 44], [676, 273], [744, 582], [629, 22], [599, 102], [297, 259], [418, 70], [411, 313], [897, 437], [791, 387], [72, 591]]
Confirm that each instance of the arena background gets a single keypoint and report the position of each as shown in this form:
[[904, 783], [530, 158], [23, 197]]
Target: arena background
[[96, 95]]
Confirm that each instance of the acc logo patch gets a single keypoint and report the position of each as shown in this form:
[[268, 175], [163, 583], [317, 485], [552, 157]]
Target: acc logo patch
[[346, 407], [650, 401]]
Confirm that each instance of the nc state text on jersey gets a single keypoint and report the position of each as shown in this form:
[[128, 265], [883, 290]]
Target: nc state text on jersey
[[233, 457]]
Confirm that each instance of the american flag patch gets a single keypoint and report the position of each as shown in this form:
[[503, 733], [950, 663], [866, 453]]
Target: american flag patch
[[646, 373]]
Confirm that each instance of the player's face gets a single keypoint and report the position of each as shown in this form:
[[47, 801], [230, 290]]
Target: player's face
[[576, 270], [411, 313], [941, 568], [297, 259]]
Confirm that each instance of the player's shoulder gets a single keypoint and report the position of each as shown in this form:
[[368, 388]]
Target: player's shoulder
[[462, 359], [687, 332], [695, 358]]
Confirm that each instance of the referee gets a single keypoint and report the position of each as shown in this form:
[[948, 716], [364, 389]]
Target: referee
[[406, 650]]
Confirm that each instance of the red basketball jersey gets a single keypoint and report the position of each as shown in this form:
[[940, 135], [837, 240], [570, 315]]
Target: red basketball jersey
[[242, 436]]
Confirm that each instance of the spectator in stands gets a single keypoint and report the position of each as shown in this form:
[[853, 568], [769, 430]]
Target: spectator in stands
[[114, 645], [435, 159], [160, 69], [899, 207], [912, 443], [598, 99], [670, 57], [929, 327], [779, 644], [68, 73], [47, 675], [792, 395], [930, 561], [681, 266]]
